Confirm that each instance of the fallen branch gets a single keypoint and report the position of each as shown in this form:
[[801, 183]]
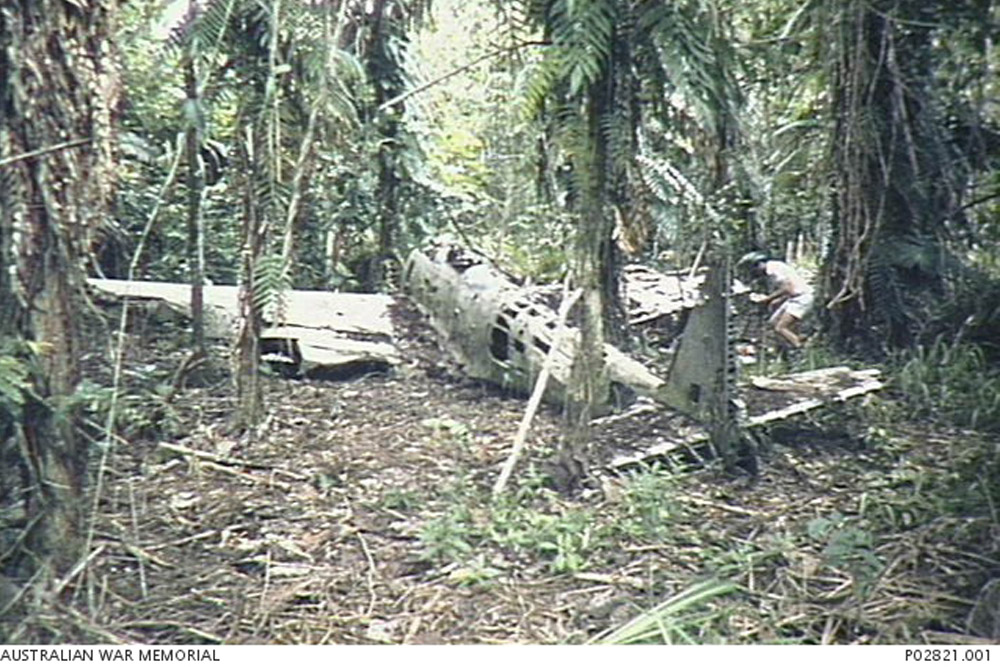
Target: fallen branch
[[142, 554], [953, 638], [228, 460], [87, 625], [372, 571], [192, 361], [43, 151], [611, 579], [212, 465], [536, 395], [190, 538], [802, 407], [77, 569], [458, 70]]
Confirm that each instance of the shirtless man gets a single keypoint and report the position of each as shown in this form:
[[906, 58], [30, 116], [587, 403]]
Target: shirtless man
[[791, 298]]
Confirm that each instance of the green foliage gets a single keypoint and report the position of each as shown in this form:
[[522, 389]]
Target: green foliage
[[272, 282], [143, 412], [475, 572], [538, 81], [524, 525], [950, 383], [15, 379], [400, 500], [565, 538], [448, 429], [848, 545], [535, 243], [649, 504], [15, 384], [582, 31], [680, 619], [276, 66], [450, 537]]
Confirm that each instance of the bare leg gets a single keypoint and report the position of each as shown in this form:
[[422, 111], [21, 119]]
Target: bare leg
[[784, 327]]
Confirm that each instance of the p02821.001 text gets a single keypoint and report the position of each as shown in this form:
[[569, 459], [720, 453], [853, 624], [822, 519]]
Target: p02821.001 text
[[947, 655]]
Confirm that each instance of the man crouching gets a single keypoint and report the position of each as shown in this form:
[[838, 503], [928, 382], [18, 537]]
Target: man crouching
[[791, 297]]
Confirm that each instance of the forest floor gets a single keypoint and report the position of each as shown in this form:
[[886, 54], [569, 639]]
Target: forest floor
[[360, 512]]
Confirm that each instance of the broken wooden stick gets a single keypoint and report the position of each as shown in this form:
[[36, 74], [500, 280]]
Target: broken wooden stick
[[227, 460], [536, 395], [212, 465]]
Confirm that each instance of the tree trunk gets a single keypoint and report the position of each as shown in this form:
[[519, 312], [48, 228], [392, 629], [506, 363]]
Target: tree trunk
[[895, 180], [249, 393], [56, 86], [196, 186], [385, 72], [594, 273]]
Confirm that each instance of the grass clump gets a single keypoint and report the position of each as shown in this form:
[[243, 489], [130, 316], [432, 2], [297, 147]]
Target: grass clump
[[953, 384]]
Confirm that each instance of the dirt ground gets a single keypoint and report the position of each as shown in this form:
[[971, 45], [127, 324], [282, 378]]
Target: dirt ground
[[359, 512]]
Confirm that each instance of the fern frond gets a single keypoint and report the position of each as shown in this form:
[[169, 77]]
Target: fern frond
[[693, 58], [539, 80], [15, 384], [584, 32], [618, 130], [272, 283], [884, 289], [660, 176], [205, 26]]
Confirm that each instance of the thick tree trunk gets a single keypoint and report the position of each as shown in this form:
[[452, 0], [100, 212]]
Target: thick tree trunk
[[895, 180], [594, 274], [56, 88]]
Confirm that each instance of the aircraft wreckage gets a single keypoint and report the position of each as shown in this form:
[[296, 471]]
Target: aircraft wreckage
[[505, 333]]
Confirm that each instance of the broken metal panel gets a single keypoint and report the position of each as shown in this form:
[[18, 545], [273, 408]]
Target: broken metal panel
[[657, 295], [315, 331], [703, 375], [781, 399], [652, 295], [366, 314], [699, 379], [317, 349], [497, 331]]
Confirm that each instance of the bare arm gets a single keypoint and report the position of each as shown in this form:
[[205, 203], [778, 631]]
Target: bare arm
[[779, 295]]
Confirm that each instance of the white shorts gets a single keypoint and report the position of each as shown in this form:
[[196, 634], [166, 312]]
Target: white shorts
[[797, 307]]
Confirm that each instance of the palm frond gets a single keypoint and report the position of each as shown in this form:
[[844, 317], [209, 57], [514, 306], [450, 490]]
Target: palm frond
[[694, 58], [670, 185], [205, 25]]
